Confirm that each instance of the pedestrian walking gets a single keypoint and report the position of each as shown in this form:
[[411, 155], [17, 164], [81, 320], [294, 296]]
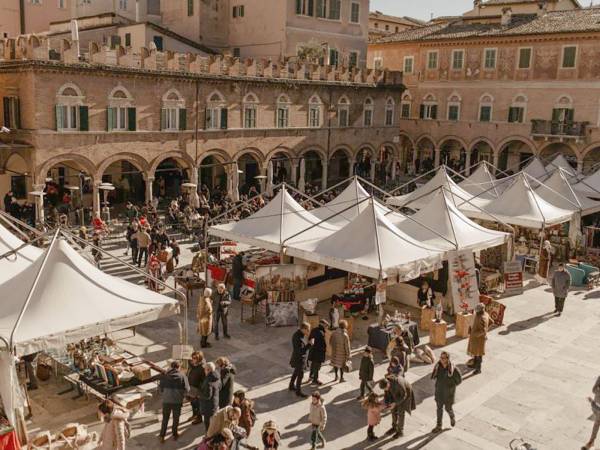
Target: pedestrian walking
[[339, 343], [196, 377], [204, 314], [133, 242], [116, 429], [374, 406], [209, 393], [446, 377], [270, 436], [318, 351], [300, 347], [248, 416], [478, 336], [595, 402], [366, 372], [174, 387], [317, 416], [143, 241], [237, 273], [403, 400], [227, 372], [221, 302], [561, 282]]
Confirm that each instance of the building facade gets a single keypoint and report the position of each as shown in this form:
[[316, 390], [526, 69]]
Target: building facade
[[381, 24], [147, 122], [499, 87]]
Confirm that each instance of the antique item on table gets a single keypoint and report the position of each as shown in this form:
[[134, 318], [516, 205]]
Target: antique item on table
[[438, 312]]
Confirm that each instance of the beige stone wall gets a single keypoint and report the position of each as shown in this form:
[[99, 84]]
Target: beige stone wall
[[9, 18]]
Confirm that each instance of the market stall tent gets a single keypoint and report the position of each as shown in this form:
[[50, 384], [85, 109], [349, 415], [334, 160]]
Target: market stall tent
[[560, 162], [535, 168], [369, 245], [558, 191], [458, 231], [482, 183], [521, 205], [12, 264], [590, 185], [62, 298]]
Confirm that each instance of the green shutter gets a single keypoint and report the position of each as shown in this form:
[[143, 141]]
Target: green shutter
[[18, 113], [224, 112], [59, 117], [183, 119], [422, 112], [570, 116], [131, 119], [163, 119], [6, 111], [84, 124], [434, 111], [110, 124]]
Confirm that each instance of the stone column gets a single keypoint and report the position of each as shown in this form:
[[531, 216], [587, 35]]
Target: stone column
[[372, 174], [436, 161], [495, 159], [468, 163], [96, 197], [324, 167], [39, 203], [294, 173], [580, 166], [149, 193], [393, 174]]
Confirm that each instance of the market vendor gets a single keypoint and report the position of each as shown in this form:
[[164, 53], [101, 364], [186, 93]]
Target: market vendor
[[425, 295]]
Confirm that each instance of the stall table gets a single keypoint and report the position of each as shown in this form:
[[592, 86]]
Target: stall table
[[380, 337]]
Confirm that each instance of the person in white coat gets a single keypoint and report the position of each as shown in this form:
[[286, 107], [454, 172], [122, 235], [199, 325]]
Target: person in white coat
[[116, 428]]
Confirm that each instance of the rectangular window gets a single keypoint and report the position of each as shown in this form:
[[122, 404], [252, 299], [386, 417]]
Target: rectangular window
[[355, 13], [352, 59], [485, 113], [238, 11], [524, 58], [453, 112], [190, 8], [389, 116], [321, 8], [122, 4], [368, 118], [458, 59], [236, 52], [250, 117], [334, 57], [115, 41], [405, 110], [11, 112], [428, 111], [378, 62], [66, 118], [516, 114], [569, 57], [283, 115], [127, 39], [489, 58], [335, 7], [61, 4], [158, 41], [170, 119], [432, 60], [305, 7], [343, 116], [409, 63], [314, 117]]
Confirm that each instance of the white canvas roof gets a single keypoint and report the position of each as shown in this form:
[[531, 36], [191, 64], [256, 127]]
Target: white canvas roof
[[15, 263], [422, 196], [72, 300], [590, 185], [445, 219], [535, 168], [371, 246], [561, 162], [270, 226], [521, 205], [482, 183], [558, 191]]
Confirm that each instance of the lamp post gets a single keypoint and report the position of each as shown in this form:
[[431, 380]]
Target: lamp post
[[106, 188], [39, 206]]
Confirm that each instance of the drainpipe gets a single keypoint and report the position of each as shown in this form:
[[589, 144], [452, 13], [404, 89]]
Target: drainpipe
[[22, 15]]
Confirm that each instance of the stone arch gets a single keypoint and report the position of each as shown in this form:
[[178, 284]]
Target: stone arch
[[220, 154], [445, 139], [215, 97], [407, 136], [69, 85], [339, 164], [481, 149], [590, 159], [522, 139], [251, 97], [11, 157], [181, 156], [316, 148], [424, 137], [479, 139], [255, 152], [286, 150], [283, 162], [120, 88], [550, 150], [85, 163], [513, 152], [128, 172], [453, 152], [213, 176], [139, 162], [251, 163]]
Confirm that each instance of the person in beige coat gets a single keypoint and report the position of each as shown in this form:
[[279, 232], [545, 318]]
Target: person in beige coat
[[478, 336], [339, 342], [204, 315], [116, 428]]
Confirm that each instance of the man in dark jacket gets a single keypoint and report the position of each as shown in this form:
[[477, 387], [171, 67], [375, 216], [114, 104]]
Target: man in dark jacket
[[221, 302], [227, 373], [196, 377], [209, 393], [237, 272], [403, 399], [561, 282], [298, 358], [446, 377], [366, 372], [173, 386], [317, 353]]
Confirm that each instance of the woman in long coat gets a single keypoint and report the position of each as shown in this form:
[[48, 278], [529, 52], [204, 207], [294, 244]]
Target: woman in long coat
[[339, 342], [116, 428], [478, 336], [446, 377], [205, 317]]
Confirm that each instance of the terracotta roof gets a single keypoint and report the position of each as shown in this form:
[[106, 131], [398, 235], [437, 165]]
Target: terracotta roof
[[582, 20], [405, 20]]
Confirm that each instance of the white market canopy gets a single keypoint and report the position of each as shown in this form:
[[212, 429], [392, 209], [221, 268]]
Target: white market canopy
[[11, 265], [521, 205], [70, 299], [482, 183], [445, 219], [371, 246], [560, 162], [558, 191], [535, 168], [590, 185]]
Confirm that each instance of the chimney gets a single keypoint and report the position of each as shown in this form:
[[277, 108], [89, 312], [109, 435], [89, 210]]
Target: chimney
[[506, 16]]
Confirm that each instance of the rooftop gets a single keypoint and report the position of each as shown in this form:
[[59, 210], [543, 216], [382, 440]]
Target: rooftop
[[404, 20]]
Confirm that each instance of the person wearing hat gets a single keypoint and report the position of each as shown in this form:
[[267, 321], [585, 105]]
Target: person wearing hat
[[317, 416], [366, 372], [561, 282], [270, 436], [478, 336], [317, 353]]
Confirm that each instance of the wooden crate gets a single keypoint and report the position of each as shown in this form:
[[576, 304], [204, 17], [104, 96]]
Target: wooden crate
[[463, 321], [427, 316]]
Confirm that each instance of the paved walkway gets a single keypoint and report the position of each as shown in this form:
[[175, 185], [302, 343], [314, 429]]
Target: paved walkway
[[536, 376]]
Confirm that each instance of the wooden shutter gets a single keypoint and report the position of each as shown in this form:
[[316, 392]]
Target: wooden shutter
[[182, 119], [555, 114], [434, 111], [570, 115], [110, 122], [163, 119], [422, 112], [224, 113], [18, 112], [59, 117], [6, 111], [131, 119], [84, 123]]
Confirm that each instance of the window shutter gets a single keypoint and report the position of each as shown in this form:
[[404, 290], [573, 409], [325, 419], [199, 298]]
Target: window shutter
[[163, 119], [18, 112], [570, 115], [434, 111], [182, 119], [110, 119], [422, 112], [555, 114], [59, 118], [206, 118], [84, 124], [299, 6], [131, 119], [242, 11], [6, 111], [224, 112]]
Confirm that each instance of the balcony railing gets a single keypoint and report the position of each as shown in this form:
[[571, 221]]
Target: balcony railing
[[558, 128]]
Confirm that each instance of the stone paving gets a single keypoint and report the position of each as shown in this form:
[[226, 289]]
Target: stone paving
[[537, 373]]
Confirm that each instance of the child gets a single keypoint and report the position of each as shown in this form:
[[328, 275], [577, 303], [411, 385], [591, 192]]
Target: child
[[270, 436], [373, 406], [365, 374], [318, 419], [395, 368]]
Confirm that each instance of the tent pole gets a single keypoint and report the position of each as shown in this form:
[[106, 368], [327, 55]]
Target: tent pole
[[25, 244], [33, 286], [10, 221], [332, 187], [415, 179]]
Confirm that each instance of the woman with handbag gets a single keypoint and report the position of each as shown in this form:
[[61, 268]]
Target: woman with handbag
[[340, 350]]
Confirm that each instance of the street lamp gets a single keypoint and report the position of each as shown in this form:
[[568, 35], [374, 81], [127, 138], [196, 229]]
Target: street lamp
[[106, 188]]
